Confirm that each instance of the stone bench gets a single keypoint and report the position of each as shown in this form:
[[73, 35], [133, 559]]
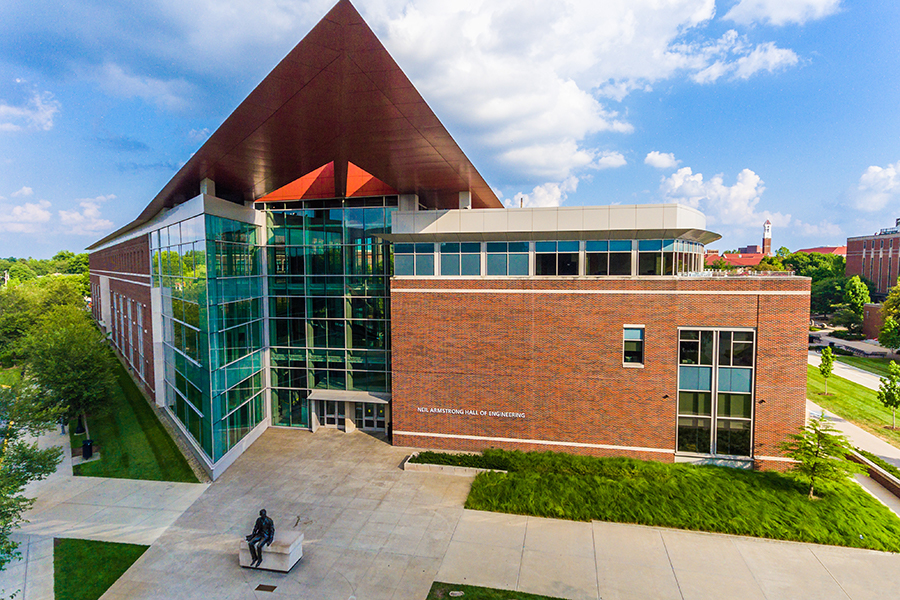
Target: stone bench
[[282, 555]]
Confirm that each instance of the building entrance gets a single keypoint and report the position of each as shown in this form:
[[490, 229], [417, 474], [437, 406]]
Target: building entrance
[[331, 413]]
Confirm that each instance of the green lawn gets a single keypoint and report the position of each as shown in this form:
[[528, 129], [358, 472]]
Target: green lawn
[[877, 366], [84, 570], [440, 591], [854, 402], [133, 443], [703, 498], [9, 376]]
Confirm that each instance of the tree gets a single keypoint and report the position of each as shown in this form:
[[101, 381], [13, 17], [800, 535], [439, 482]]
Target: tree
[[70, 358], [821, 454], [825, 294], [889, 391], [21, 272], [847, 317], [856, 295], [769, 263], [826, 366], [24, 410], [889, 336], [782, 252], [720, 264]]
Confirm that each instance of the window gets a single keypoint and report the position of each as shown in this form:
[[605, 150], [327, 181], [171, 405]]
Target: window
[[633, 346], [556, 258], [715, 391], [461, 259], [507, 258], [414, 259]]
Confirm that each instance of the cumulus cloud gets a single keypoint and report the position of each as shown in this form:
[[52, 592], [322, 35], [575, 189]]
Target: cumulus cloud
[[765, 57], [877, 187], [548, 194], [820, 230], [732, 55], [25, 191], [25, 218], [88, 219], [170, 94], [660, 160], [610, 160], [37, 113], [781, 12], [734, 205]]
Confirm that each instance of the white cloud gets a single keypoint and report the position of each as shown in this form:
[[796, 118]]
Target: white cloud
[[35, 114], [169, 94], [199, 135], [87, 220], [823, 229], [765, 57], [25, 191], [660, 160], [781, 12], [548, 194], [733, 205], [878, 187], [610, 160], [25, 218]]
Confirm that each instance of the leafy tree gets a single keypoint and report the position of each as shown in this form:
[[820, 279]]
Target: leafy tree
[[889, 391], [769, 263], [826, 366], [856, 295], [821, 454], [21, 272], [720, 264], [782, 252], [815, 266], [847, 317], [24, 411], [69, 357], [826, 293], [889, 336]]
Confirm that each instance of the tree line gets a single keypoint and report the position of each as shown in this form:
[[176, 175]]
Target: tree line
[[55, 365]]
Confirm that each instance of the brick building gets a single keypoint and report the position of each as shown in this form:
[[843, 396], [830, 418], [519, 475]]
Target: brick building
[[331, 258], [876, 257]]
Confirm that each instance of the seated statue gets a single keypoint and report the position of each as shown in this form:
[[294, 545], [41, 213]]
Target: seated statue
[[263, 534]]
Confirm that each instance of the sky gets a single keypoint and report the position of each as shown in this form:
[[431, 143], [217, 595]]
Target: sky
[[748, 110]]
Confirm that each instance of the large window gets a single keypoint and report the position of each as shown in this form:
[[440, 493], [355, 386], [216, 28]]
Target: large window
[[507, 258], [556, 258], [414, 259], [715, 391], [460, 259]]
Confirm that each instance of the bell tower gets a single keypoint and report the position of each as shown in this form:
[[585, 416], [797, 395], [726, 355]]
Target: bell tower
[[767, 238]]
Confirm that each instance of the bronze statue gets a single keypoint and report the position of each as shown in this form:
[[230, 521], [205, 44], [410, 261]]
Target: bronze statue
[[263, 534]]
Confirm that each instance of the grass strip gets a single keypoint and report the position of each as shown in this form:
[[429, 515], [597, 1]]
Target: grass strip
[[84, 569], [440, 591], [133, 443], [701, 498], [876, 366], [477, 461], [856, 403], [880, 462]]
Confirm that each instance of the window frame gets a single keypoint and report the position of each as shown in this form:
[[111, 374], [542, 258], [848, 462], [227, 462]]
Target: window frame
[[643, 346]]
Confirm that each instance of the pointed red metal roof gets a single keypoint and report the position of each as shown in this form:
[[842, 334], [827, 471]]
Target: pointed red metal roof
[[339, 97]]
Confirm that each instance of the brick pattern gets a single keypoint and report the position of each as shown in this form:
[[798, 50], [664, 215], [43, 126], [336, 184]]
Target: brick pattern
[[876, 258], [128, 267], [557, 358]]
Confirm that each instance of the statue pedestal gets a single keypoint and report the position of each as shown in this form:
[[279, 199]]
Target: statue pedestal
[[282, 555]]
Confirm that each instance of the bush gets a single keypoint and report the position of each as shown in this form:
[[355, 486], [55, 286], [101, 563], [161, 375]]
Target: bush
[[846, 335]]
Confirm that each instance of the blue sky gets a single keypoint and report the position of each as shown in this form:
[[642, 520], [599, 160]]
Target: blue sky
[[745, 109]]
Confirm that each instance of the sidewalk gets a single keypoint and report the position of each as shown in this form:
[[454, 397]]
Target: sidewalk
[[864, 378], [110, 510]]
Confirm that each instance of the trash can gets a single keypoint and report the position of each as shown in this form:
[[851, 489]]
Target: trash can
[[87, 449]]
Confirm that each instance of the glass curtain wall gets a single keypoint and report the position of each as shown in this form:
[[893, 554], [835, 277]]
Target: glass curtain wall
[[328, 301], [209, 275], [715, 391]]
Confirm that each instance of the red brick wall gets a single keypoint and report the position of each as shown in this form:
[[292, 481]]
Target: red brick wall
[[872, 321], [557, 358], [855, 258], [127, 266]]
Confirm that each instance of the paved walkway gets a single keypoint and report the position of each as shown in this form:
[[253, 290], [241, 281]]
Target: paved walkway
[[93, 508], [860, 376], [376, 532]]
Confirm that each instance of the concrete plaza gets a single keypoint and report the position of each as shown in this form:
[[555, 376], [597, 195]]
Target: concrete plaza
[[374, 531]]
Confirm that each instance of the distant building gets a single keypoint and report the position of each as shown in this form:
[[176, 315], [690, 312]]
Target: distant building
[[767, 238], [873, 321], [876, 257], [838, 250], [755, 249], [746, 257]]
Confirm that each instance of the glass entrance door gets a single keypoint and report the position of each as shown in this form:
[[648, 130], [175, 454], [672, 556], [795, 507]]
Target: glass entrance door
[[331, 413]]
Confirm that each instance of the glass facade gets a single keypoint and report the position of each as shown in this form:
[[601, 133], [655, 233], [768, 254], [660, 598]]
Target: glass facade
[[715, 391], [209, 274], [328, 304], [548, 258]]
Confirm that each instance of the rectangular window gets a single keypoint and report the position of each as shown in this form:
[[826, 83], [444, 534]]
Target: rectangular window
[[633, 346], [414, 260], [556, 258], [462, 259], [507, 258], [715, 391]]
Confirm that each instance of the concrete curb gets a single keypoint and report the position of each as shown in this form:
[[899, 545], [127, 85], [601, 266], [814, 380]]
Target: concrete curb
[[878, 474], [445, 469]]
